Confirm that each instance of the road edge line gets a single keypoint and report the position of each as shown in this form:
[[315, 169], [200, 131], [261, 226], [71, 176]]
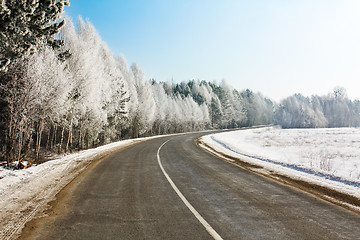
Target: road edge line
[[207, 226]]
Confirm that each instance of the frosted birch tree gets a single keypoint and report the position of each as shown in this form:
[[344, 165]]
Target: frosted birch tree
[[98, 97], [36, 97], [50, 90], [145, 114]]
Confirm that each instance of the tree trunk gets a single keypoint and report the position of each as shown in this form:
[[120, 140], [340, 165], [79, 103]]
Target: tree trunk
[[20, 144], [69, 140], [61, 139], [80, 136], [38, 138], [53, 138], [48, 139]]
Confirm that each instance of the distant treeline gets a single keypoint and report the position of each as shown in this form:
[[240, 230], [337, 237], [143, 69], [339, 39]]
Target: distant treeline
[[333, 110]]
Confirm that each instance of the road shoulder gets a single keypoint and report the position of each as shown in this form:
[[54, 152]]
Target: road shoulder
[[339, 198]]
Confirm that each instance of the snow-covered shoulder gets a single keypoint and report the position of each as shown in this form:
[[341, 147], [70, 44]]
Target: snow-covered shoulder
[[25, 193], [328, 157]]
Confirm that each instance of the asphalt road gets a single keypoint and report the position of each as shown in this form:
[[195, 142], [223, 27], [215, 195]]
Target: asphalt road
[[128, 196]]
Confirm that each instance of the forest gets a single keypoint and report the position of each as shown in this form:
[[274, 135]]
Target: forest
[[63, 90]]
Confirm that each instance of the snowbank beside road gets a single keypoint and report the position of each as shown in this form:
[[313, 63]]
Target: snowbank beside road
[[25, 193], [326, 157]]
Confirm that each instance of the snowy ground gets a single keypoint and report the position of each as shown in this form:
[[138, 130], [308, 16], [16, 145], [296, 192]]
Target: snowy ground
[[25, 193], [327, 157]]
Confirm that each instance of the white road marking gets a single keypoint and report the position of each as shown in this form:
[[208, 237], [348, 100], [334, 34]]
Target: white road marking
[[207, 226]]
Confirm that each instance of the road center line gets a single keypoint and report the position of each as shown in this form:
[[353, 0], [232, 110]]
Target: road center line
[[207, 226]]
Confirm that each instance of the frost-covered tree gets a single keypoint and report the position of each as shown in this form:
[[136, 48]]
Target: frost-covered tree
[[332, 110], [336, 108], [49, 93], [233, 107], [355, 113], [227, 107], [163, 112], [98, 96], [23, 24], [259, 110], [215, 112], [298, 111], [176, 112], [132, 96], [36, 97], [145, 112], [116, 105]]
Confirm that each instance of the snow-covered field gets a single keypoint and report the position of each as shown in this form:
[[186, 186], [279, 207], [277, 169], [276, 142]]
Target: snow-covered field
[[328, 157], [25, 193]]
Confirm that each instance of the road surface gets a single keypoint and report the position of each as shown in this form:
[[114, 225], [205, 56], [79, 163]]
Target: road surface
[[168, 188]]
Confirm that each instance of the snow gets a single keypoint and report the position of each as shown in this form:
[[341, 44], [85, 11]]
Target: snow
[[329, 157], [26, 193]]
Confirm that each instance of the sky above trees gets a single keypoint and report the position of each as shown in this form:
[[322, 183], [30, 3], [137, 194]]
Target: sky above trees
[[276, 47]]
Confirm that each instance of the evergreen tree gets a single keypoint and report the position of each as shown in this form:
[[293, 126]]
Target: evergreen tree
[[215, 112], [25, 23]]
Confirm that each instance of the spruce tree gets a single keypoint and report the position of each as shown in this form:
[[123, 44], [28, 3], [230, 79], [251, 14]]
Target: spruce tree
[[24, 23]]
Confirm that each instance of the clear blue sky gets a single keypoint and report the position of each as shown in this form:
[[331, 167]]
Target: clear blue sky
[[276, 47]]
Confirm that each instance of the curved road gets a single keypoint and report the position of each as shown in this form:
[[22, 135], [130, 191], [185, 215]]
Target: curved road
[[128, 196]]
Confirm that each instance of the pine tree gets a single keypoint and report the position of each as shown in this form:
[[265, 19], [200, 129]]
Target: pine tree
[[24, 23]]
